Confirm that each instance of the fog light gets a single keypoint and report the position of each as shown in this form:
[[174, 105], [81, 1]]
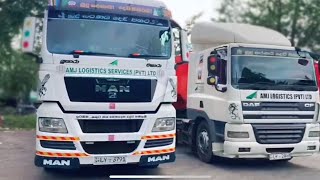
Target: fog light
[[234, 134], [244, 149], [311, 148], [314, 134]]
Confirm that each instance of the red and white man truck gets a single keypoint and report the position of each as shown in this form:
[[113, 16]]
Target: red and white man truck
[[107, 83], [250, 95]]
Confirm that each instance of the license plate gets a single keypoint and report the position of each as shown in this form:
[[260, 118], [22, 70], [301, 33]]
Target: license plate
[[279, 156], [110, 160]]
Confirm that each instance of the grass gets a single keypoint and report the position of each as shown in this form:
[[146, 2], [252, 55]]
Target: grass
[[20, 122]]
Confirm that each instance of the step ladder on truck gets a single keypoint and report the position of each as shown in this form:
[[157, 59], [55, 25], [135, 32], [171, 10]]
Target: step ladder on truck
[[250, 95], [107, 82]]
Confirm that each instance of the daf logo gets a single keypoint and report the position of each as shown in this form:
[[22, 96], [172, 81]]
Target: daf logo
[[69, 62], [154, 65], [309, 105], [159, 158], [251, 104], [56, 162]]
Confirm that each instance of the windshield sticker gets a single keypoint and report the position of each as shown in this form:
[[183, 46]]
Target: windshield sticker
[[267, 52], [111, 7], [111, 117], [165, 38], [108, 17], [105, 71]]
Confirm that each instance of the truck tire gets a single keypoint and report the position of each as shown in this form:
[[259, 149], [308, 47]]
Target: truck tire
[[204, 143]]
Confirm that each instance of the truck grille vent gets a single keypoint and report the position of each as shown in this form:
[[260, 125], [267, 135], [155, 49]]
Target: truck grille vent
[[279, 133], [58, 145], [114, 147], [110, 126], [158, 143]]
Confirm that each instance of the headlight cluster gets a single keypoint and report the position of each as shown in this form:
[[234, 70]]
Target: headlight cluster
[[164, 124], [52, 125]]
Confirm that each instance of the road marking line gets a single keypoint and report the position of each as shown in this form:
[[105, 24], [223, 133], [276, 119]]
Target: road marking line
[[156, 177]]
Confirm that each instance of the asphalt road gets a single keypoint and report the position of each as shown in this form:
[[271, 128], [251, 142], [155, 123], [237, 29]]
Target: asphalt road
[[17, 153]]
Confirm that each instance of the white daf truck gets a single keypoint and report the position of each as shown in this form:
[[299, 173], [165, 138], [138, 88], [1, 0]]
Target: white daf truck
[[250, 95], [107, 83]]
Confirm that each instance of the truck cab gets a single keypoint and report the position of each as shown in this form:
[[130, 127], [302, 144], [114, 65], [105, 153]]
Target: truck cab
[[107, 84], [250, 95]]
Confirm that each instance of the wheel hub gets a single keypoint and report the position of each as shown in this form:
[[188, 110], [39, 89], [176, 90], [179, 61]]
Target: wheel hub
[[203, 141]]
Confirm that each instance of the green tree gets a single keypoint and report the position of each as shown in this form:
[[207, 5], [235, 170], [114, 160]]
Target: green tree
[[17, 71], [192, 20], [299, 20]]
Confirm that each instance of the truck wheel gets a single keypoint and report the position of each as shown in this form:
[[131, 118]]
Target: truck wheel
[[204, 143]]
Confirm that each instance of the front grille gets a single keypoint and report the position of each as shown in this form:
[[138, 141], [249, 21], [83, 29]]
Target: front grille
[[114, 147], [110, 90], [58, 145], [277, 106], [279, 133], [278, 116], [110, 126], [279, 150], [158, 143]]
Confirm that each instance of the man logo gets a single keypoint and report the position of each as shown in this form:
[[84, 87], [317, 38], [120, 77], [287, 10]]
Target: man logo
[[251, 104], [56, 162], [159, 158], [309, 105]]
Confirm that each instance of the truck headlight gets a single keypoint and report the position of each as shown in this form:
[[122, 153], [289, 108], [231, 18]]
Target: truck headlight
[[314, 134], [52, 125], [234, 134], [164, 124]]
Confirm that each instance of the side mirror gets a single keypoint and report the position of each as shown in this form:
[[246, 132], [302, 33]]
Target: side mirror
[[184, 44], [216, 73]]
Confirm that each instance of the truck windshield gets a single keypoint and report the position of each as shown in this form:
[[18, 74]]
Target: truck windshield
[[118, 36], [266, 69]]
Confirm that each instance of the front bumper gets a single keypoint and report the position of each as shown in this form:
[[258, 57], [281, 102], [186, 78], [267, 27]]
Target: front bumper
[[77, 148], [261, 151], [250, 148]]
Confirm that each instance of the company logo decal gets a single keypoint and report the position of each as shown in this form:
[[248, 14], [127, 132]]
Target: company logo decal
[[43, 89], [253, 95], [154, 65], [158, 158], [114, 63], [56, 162], [112, 87], [69, 62], [233, 111], [251, 104]]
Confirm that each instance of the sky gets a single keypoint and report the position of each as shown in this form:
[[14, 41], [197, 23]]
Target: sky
[[182, 10]]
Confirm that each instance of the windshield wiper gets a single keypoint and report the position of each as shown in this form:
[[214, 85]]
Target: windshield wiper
[[79, 52], [146, 56]]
